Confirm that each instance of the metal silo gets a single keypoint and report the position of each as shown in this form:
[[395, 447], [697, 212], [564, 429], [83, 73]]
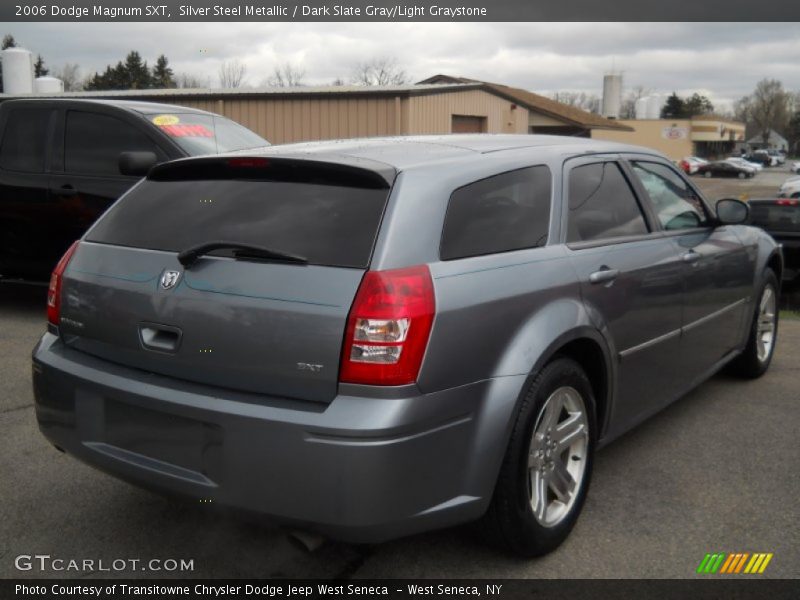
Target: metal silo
[[17, 71], [612, 95]]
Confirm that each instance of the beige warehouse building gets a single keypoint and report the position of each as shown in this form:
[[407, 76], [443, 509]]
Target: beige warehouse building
[[284, 115], [705, 136]]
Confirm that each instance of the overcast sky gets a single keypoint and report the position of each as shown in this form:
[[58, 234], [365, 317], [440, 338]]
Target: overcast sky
[[721, 60]]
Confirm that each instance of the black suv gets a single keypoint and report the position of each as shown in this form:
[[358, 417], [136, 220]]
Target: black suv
[[64, 161]]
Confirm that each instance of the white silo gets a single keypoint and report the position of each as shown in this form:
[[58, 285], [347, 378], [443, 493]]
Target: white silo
[[48, 85], [640, 107], [612, 95], [654, 105], [17, 71]]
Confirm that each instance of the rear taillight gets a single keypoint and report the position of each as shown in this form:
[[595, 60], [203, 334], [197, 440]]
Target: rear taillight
[[388, 327], [54, 291], [788, 202]]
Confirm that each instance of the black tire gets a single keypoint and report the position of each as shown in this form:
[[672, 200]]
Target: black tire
[[748, 364], [510, 522]]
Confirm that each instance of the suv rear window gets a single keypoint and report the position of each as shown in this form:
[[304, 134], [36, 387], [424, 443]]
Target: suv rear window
[[510, 211], [775, 217], [329, 224]]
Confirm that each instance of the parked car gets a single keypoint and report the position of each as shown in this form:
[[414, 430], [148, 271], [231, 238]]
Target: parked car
[[373, 338], [780, 217], [690, 164], [790, 188], [64, 161], [763, 157], [723, 168], [795, 167], [777, 156], [738, 160]]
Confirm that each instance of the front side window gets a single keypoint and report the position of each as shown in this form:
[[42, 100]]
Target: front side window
[[510, 211], [25, 140], [674, 202], [601, 204], [94, 142]]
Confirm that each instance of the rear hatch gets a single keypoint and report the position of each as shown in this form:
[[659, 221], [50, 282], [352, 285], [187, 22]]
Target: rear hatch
[[232, 318]]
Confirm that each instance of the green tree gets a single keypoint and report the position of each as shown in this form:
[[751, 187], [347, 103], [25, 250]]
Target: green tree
[[163, 77], [674, 108], [39, 70], [133, 74], [697, 105]]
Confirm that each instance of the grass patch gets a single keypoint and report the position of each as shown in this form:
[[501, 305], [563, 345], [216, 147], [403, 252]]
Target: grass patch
[[792, 315]]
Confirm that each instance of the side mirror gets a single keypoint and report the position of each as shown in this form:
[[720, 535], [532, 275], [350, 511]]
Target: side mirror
[[732, 212], [137, 163]]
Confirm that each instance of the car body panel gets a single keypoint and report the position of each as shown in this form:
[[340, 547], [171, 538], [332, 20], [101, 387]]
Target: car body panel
[[369, 463]]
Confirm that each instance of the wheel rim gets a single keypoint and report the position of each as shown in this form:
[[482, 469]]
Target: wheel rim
[[765, 332], [557, 456]]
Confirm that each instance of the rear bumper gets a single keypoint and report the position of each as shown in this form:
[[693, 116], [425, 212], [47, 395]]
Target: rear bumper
[[362, 469]]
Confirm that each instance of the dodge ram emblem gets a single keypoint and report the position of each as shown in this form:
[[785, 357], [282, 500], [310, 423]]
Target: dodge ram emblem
[[169, 279]]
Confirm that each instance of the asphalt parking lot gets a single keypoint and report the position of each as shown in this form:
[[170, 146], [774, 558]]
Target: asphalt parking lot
[[714, 472]]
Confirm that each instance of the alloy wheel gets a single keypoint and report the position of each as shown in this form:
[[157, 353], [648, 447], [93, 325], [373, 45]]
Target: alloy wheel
[[765, 328], [557, 456]]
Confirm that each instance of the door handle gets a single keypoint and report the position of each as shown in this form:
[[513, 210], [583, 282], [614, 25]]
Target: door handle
[[603, 275], [691, 256], [64, 190]]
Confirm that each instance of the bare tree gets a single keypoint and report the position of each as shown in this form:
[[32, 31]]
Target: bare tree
[[770, 107], [379, 71], [70, 74], [287, 75], [582, 100], [628, 108], [231, 73], [338, 82], [187, 80]]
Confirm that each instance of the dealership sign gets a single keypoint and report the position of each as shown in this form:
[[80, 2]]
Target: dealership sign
[[675, 133]]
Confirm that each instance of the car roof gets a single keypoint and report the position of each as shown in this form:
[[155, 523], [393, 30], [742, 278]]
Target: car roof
[[405, 152], [135, 106]]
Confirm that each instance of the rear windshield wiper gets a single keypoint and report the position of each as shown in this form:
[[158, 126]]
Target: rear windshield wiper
[[189, 256]]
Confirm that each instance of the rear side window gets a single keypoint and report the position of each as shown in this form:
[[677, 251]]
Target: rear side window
[[602, 204], [506, 212], [25, 140], [94, 142], [327, 224]]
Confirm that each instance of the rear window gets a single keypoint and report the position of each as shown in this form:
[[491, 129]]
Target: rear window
[[201, 134], [333, 225], [510, 211], [775, 217]]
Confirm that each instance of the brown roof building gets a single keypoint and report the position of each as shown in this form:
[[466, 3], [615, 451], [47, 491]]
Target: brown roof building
[[284, 115]]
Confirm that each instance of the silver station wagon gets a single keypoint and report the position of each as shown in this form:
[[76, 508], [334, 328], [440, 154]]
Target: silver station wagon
[[372, 338]]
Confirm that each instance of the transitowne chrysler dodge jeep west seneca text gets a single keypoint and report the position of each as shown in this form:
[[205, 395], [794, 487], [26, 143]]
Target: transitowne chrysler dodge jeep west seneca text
[[372, 338]]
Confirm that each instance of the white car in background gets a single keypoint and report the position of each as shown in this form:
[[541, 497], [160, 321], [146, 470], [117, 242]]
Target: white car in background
[[740, 162], [790, 188], [795, 167]]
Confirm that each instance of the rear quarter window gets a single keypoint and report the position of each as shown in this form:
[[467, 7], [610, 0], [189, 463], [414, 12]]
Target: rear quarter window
[[505, 212], [25, 139]]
